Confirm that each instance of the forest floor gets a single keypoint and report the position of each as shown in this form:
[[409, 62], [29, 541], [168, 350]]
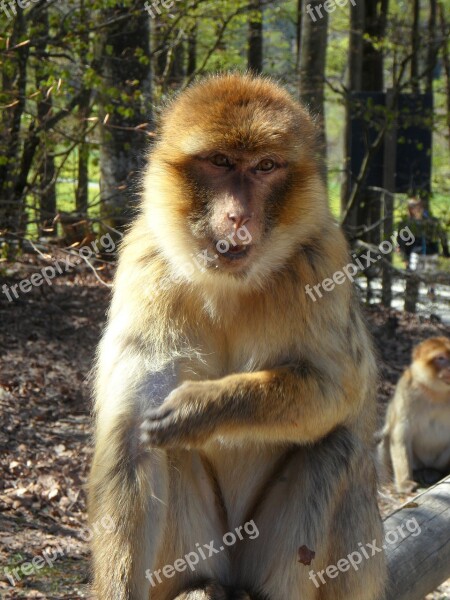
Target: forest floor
[[47, 343]]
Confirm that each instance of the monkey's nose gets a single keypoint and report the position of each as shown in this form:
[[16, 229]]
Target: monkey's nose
[[239, 220]]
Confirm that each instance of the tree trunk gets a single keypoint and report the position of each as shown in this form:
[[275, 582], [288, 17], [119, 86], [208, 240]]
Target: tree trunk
[[122, 143], [313, 52], [415, 47], [298, 35], [14, 82], [390, 158], [177, 70], [47, 194], [160, 52], [82, 192], [375, 19], [255, 37], [433, 47], [368, 26], [354, 85], [446, 61], [431, 62], [47, 171], [84, 110], [192, 51]]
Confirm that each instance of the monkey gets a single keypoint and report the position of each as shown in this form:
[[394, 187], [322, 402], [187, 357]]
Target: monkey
[[416, 435], [224, 394]]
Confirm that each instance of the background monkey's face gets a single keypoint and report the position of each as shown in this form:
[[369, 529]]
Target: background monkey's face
[[237, 177], [442, 364], [431, 364]]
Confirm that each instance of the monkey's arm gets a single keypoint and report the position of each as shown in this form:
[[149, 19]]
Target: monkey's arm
[[289, 403], [401, 456], [126, 482], [400, 434]]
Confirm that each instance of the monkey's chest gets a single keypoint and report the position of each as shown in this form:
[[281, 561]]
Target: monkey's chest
[[431, 445]]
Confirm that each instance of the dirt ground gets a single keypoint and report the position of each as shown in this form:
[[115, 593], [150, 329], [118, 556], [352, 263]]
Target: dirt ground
[[47, 342]]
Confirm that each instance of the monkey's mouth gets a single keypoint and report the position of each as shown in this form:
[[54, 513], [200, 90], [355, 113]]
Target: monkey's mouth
[[236, 252]]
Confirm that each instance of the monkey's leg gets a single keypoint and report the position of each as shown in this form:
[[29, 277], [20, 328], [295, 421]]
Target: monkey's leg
[[133, 492], [401, 456], [384, 464], [322, 505], [165, 513]]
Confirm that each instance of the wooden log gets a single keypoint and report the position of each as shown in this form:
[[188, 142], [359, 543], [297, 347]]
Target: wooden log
[[419, 562]]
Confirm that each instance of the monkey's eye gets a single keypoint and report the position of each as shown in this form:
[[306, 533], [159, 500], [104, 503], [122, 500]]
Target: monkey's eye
[[442, 360], [265, 165], [220, 160]]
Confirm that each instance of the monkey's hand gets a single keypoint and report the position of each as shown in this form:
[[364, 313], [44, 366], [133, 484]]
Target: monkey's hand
[[188, 416]]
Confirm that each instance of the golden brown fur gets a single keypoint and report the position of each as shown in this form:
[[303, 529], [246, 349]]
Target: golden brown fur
[[416, 434], [226, 394]]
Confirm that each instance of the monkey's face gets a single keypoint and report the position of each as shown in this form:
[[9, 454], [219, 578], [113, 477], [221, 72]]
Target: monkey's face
[[441, 364], [238, 181], [432, 364], [236, 203]]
